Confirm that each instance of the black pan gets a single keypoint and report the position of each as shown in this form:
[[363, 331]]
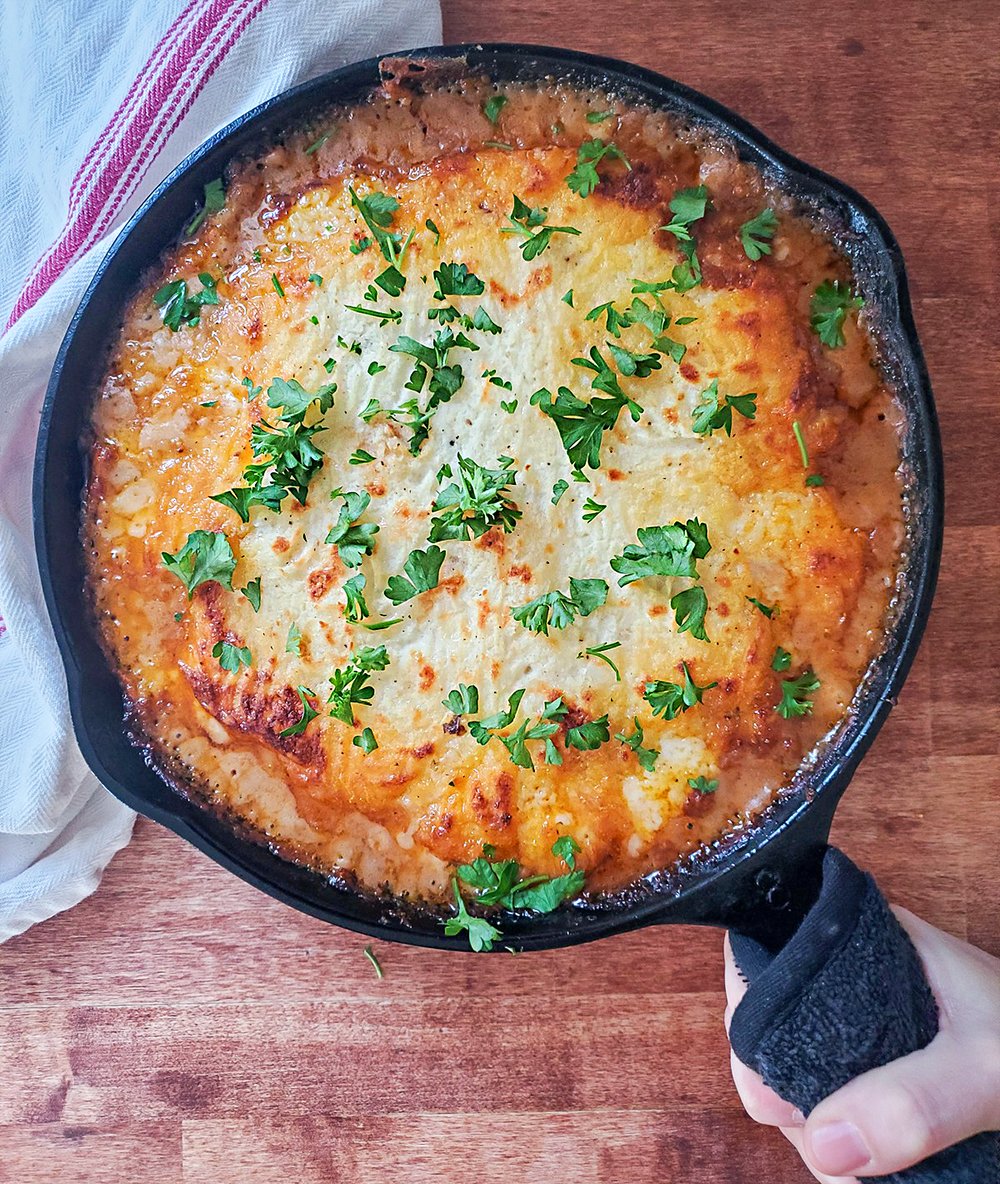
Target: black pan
[[760, 881]]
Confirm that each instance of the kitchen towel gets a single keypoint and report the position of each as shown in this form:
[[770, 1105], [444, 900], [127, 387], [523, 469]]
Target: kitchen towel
[[99, 100]]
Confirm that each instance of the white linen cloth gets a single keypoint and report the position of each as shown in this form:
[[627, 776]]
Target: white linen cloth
[[99, 100]]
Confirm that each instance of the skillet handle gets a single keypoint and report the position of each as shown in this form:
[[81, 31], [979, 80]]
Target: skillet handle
[[847, 993]]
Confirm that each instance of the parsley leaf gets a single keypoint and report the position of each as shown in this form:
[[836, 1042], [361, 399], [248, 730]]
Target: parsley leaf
[[567, 849], [443, 380], [782, 659], [481, 729], [351, 683], [591, 509], [252, 593], [688, 206], [455, 279], [585, 178], [360, 457], [598, 116], [794, 692], [352, 539], [177, 308], [528, 222], [434, 230], [558, 490], [493, 106], [710, 415], [828, 310], [356, 608], [481, 933], [377, 210], [474, 501], [309, 713], [498, 881], [590, 735], [214, 200], [231, 657], [600, 652], [663, 551], [703, 784], [755, 233], [205, 556], [669, 699], [647, 757], [293, 642], [560, 610], [769, 610], [581, 425], [463, 700], [690, 607], [366, 741], [421, 569]]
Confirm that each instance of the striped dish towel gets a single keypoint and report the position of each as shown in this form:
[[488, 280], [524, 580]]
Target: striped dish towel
[[99, 100]]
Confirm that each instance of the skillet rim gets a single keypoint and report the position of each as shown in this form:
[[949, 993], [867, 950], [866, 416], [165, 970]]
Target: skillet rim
[[761, 881]]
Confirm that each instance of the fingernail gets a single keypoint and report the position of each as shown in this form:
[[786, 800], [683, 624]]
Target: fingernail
[[838, 1149], [798, 1118]]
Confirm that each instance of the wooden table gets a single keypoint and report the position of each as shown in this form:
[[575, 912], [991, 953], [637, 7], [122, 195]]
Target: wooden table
[[180, 1026]]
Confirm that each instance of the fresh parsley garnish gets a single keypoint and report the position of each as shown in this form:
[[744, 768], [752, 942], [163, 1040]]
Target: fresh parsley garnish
[[378, 210], [558, 490], [474, 500], [351, 683], [755, 234], [431, 368], [493, 106], [360, 457], [309, 713], [231, 657], [356, 607], [585, 178], [828, 309], [285, 454], [366, 741], [794, 695], [591, 509], [434, 230], [420, 574], [669, 699], [276, 284], [205, 556], [601, 653], [647, 757], [703, 784], [463, 700], [581, 425], [711, 414], [598, 116], [769, 610], [293, 642], [213, 201], [481, 933], [528, 222], [590, 735], [177, 308], [252, 593], [455, 279], [782, 660], [687, 206], [663, 551], [559, 609], [353, 539], [318, 143]]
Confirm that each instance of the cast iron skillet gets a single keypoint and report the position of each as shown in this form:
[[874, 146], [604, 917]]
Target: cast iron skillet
[[761, 881]]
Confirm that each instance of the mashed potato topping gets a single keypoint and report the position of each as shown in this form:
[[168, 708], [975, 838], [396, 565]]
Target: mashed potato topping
[[530, 475]]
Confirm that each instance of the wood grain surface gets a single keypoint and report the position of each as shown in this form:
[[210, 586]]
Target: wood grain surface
[[180, 1026]]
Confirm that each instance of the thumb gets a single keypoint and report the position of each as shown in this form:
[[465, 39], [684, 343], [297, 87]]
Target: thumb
[[893, 1117]]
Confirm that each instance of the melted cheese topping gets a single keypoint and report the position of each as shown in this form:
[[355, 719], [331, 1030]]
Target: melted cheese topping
[[172, 427]]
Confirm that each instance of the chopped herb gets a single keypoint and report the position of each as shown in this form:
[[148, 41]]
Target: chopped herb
[[647, 757], [370, 955], [366, 741], [756, 233], [663, 551], [481, 933], [420, 574], [210, 403], [474, 501], [384, 316], [252, 391], [443, 380], [391, 281], [494, 381], [801, 441], [528, 222], [703, 784], [455, 279], [318, 143], [559, 609], [360, 457], [434, 230], [231, 657], [510, 407], [316, 279], [688, 206], [377, 210], [814, 479], [293, 642], [581, 425], [710, 415], [598, 116], [568, 298], [377, 626], [178, 616], [205, 556], [498, 144], [362, 244], [213, 201], [769, 610], [493, 106], [482, 321], [177, 308], [632, 364], [375, 368], [794, 692], [351, 683], [601, 653], [356, 608], [499, 883], [669, 699], [828, 310], [353, 539], [309, 713], [463, 700], [558, 490], [277, 285], [255, 256], [252, 593], [585, 178], [690, 607], [590, 735], [782, 659], [591, 509]]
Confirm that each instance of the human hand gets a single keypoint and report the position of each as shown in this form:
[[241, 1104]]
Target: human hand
[[891, 1118]]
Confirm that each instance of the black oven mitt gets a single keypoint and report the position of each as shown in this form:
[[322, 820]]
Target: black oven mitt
[[846, 994]]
